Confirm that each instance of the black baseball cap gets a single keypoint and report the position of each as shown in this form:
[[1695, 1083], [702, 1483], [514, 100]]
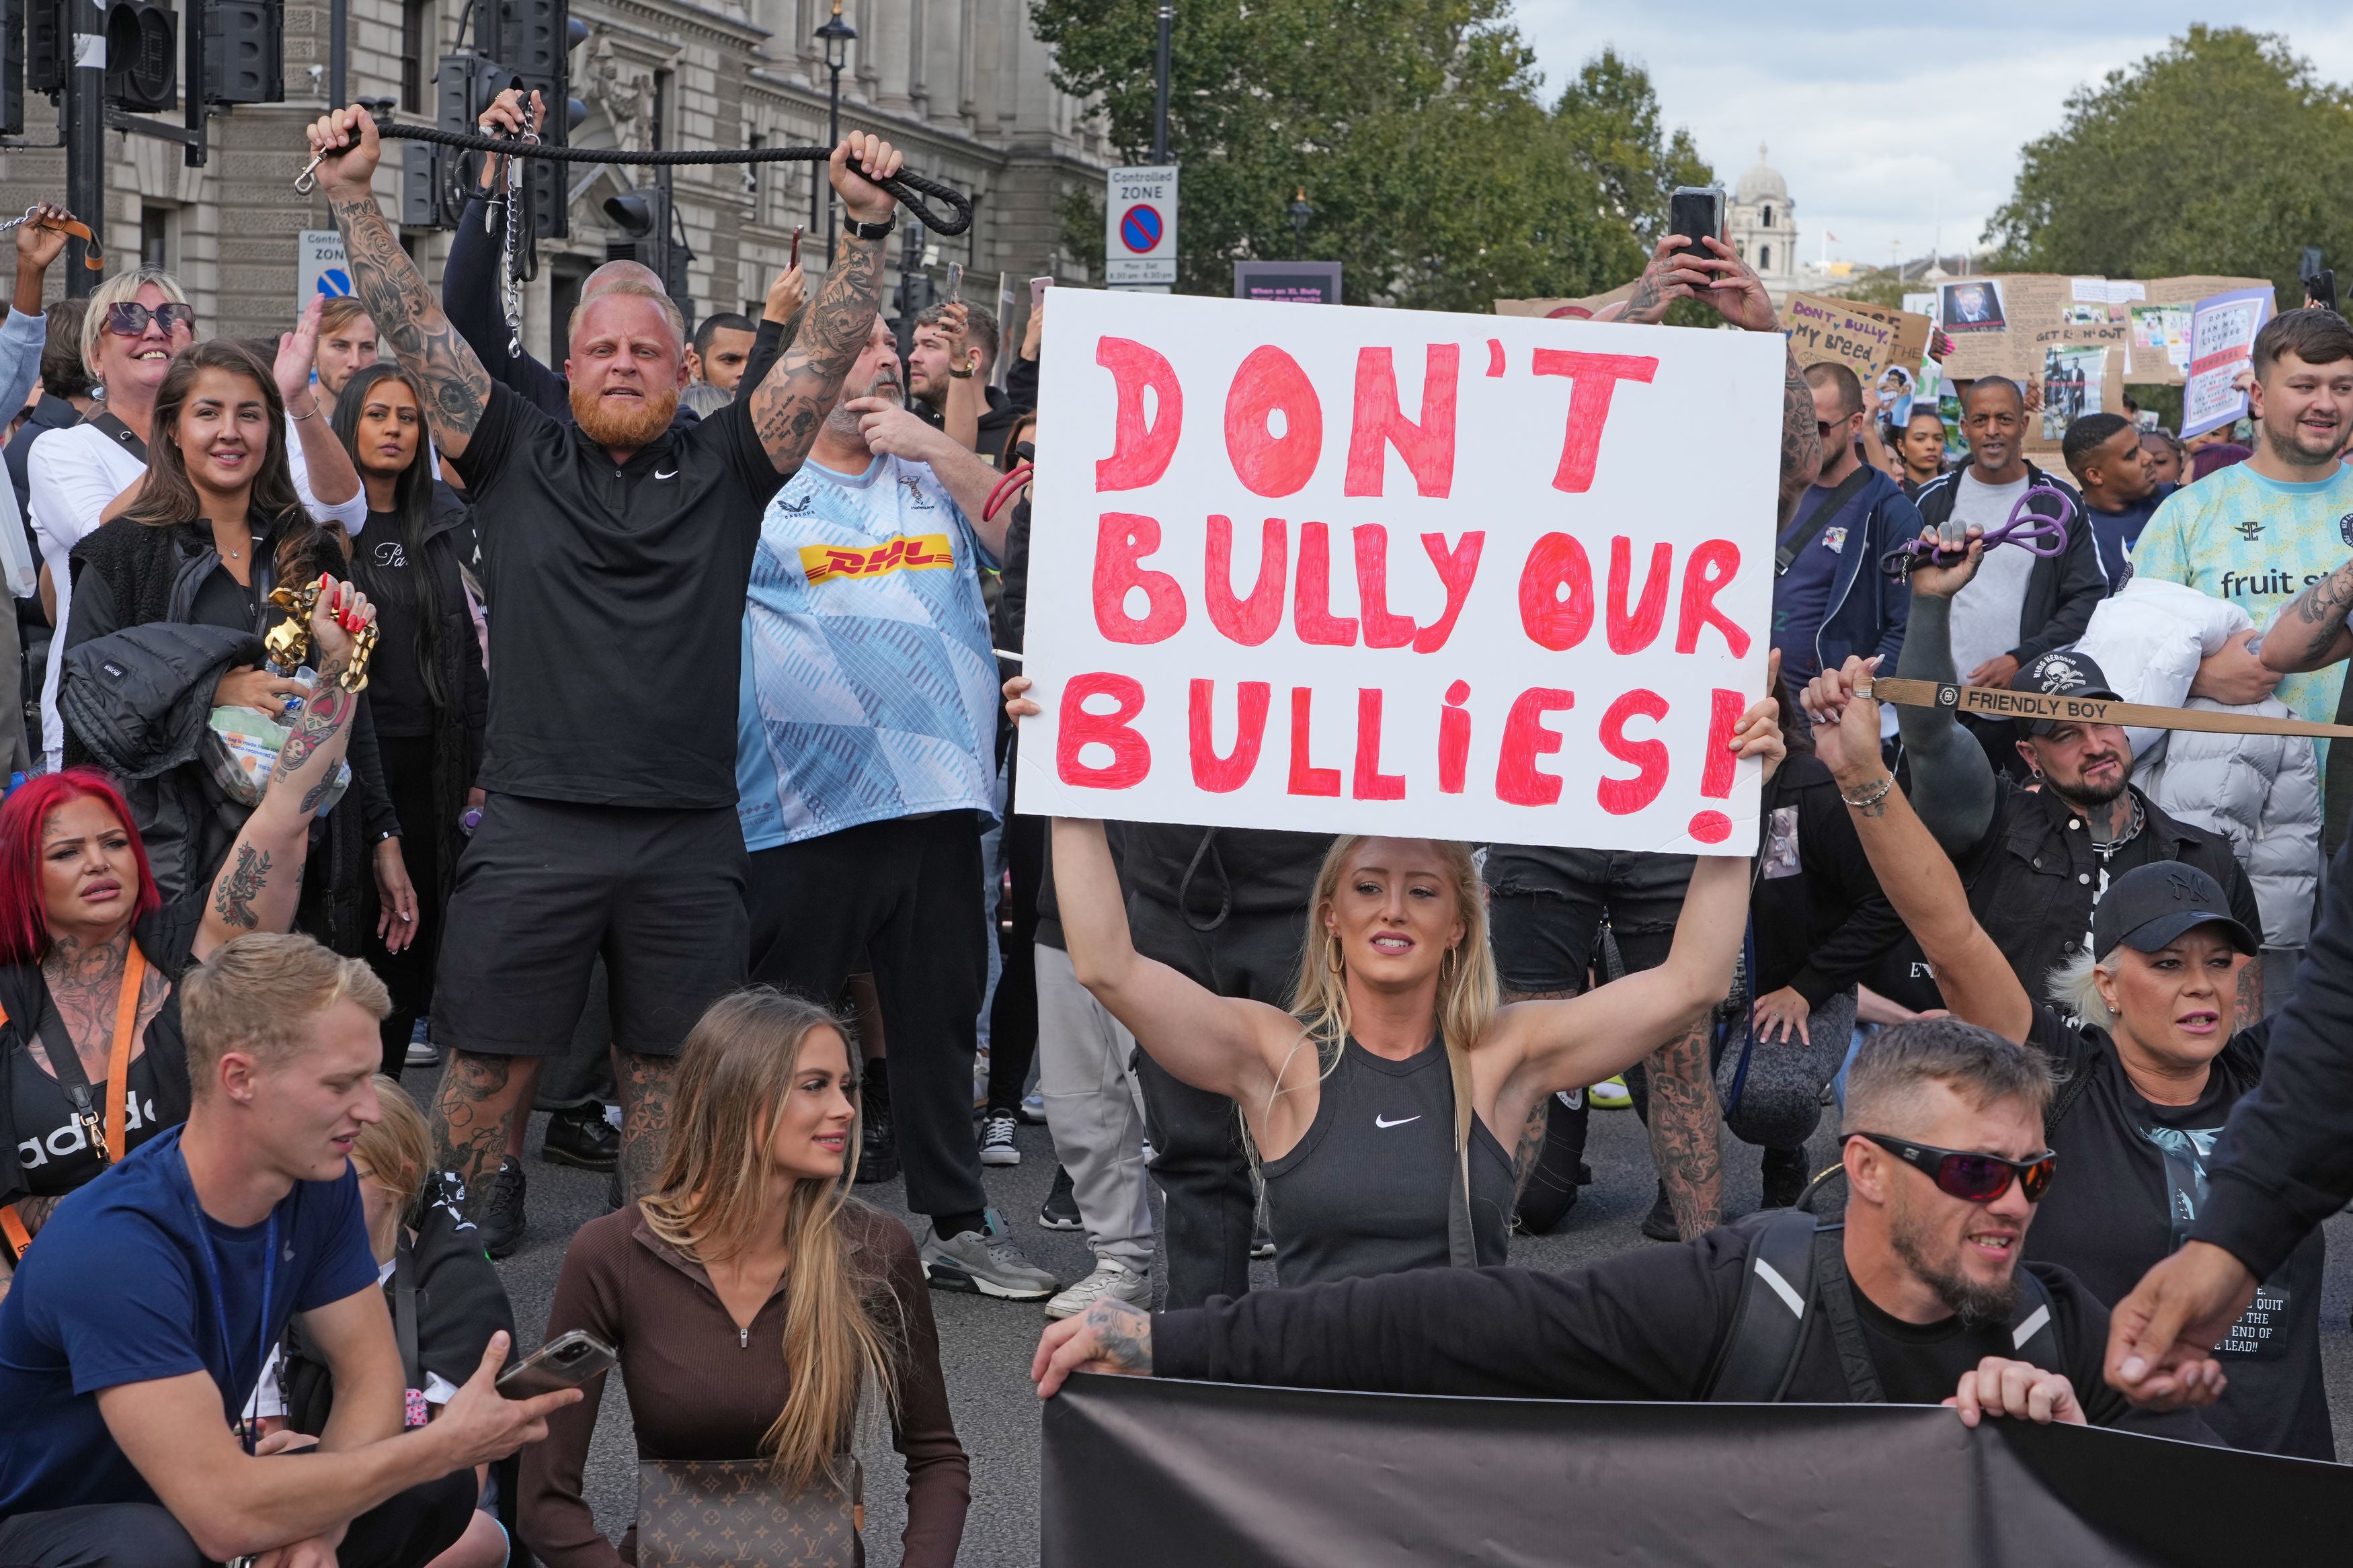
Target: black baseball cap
[[2062, 674], [2152, 905]]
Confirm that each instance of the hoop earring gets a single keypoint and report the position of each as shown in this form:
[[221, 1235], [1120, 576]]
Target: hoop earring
[[1333, 959]]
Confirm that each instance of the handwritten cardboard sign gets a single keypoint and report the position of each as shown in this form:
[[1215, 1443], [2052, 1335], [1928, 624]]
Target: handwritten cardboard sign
[[1866, 339], [1340, 569]]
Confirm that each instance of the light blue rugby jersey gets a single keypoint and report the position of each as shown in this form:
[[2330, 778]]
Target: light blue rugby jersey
[[869, 692]]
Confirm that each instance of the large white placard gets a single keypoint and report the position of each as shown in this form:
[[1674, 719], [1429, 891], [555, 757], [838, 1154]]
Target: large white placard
[[1344, 570]]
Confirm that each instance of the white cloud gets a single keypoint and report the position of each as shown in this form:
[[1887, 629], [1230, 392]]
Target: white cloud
[[1890, 124]]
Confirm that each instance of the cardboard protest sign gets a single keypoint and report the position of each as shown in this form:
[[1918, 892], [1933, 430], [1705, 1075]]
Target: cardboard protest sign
[[2008, 324], [1343, 569], [2222, 330], [1882, 347], [1576, 310]]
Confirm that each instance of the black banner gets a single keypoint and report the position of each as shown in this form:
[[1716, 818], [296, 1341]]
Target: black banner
[[1145, 1473]]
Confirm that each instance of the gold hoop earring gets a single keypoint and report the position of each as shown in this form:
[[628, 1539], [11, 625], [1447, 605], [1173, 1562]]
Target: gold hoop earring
[[1333, 958]]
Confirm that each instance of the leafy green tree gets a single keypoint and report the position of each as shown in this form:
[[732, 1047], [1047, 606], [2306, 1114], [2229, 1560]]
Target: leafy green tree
[[1414, 127], [2221, 154]]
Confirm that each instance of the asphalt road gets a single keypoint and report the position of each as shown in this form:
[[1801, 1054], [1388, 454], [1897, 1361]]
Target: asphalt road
[[985, 1345]]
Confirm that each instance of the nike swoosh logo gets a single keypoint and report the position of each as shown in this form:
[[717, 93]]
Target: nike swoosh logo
[[1400, 1121], [672, 475]]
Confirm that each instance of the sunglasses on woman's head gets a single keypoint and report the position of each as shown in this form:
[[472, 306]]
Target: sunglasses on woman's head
[[1972, 1178], [128, 318]]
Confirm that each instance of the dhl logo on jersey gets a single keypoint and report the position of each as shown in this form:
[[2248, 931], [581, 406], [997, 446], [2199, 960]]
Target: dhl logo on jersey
[[919, 553]]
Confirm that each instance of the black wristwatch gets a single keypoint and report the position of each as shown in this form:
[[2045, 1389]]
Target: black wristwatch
[[856, 230]]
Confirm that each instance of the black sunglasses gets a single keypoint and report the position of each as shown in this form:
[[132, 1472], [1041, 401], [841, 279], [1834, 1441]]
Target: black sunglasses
[[1972, 1178], [128, 318]]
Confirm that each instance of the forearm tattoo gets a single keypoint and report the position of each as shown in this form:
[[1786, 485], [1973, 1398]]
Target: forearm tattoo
[[240, 885], [1684, 1118], [2312, 619], [1801, 437], [2249, 1010], [1122, 1336], [792, 404], [324, 712], [410, 320], [645, 1083], [470, 1123]]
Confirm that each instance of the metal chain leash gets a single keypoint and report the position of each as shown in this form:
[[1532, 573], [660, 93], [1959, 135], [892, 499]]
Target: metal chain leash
[[908, 187], [512, 264]]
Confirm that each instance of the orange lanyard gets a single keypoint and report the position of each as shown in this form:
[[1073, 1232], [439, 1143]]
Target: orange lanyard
[[118, 1061]]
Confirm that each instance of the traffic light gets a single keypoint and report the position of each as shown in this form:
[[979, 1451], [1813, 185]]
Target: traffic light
[[142, 55], [45, 59], [649, 235], [12, 68], [537, 37], [244, 51]]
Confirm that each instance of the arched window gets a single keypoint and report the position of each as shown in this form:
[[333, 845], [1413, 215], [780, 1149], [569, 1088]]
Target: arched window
[[1765, 258], [1768, 217]]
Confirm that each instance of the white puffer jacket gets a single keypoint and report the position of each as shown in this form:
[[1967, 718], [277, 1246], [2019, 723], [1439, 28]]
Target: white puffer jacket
[[2260, 792]]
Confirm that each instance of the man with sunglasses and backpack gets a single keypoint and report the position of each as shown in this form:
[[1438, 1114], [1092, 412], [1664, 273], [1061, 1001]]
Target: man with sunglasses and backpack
[[1917, 1298]]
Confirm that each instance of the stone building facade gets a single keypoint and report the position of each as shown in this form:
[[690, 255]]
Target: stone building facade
[[963, 85], [1764, 226]]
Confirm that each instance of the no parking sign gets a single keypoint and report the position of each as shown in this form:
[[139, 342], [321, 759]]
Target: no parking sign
[[324, 269], [1140, 227]]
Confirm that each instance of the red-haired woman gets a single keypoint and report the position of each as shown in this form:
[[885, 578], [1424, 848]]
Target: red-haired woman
[[91, 1061]]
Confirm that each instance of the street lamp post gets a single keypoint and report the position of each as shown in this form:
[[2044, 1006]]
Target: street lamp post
[[1301, 215], [838, 36]]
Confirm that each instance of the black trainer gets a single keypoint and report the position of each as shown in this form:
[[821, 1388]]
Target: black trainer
[[1784, 1177], [501, 1221], [878, 1148], [1061, 1209], [1659, 1225], [583, 1137]]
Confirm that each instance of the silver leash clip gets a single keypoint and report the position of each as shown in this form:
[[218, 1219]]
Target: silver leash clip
[[307, 181]]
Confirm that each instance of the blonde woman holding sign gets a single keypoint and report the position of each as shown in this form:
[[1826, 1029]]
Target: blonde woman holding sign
[[1377, 1106]]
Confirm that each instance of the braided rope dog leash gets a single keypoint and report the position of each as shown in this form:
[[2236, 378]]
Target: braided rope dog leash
[[2039, 533], [907, 185]]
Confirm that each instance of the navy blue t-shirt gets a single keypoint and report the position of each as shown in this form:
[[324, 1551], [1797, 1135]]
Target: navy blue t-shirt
[[115, 1290], [1802, 596], [2116, 532]]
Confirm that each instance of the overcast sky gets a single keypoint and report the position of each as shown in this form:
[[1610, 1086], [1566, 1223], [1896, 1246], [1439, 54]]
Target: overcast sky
[[1890, 119]]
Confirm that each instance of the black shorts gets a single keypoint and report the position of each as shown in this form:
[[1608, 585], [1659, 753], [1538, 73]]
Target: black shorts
[[1545, 909], [545, 886]]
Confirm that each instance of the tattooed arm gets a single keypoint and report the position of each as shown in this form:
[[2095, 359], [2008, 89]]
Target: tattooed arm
[[1918, 878], [792, 403], [2310, 634], [1679, 271], [260, 881], [399, 301]]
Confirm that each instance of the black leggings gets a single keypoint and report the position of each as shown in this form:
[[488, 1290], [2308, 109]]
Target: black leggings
[[408, 974]]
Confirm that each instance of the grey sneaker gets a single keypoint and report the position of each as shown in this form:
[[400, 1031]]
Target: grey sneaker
[[988, 1265], [1112, 1280], [421, 1053]]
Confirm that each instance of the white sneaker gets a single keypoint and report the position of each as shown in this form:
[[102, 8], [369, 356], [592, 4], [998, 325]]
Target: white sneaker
[[997, 1146], [1111, 1280], [421, 1053]]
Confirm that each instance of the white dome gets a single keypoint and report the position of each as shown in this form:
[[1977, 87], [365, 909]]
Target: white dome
[[1761, 184]]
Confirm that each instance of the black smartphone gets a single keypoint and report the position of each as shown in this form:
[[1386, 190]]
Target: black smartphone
[[2320, 289], [567, 1361], [1697, 212], [797, 247]]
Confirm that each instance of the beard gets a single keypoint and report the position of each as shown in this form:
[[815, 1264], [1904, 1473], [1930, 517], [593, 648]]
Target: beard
[[627, 429], [1976, 1304], [2083, 793], [844, 424]]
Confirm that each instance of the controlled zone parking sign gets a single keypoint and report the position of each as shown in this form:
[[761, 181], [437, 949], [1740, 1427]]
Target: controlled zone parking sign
[[1140, 227]]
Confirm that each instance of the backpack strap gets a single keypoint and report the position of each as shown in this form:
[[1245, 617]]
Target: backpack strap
[[404, 1313], [2071, 1090], [11, 1227], [1794, 542], [1837, 1302], [2033, 1332], [1768, 1326]]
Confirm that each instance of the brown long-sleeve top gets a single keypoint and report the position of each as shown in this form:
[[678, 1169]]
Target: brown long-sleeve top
[[700, 1389]]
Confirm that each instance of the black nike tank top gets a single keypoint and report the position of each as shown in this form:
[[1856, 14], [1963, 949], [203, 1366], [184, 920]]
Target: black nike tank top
[[1365, 1191]]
